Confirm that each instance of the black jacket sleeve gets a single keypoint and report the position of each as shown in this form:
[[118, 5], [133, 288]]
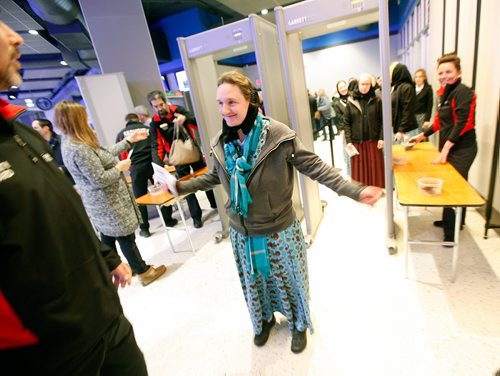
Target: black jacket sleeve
[[154, 145], [406, 109], [110, 257], [429, 103]]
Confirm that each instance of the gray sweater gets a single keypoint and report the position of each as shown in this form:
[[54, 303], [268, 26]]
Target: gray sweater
[[103, 190], [270, 183]]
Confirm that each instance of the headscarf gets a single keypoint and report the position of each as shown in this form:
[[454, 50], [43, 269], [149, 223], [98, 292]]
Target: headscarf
[[401, 74]]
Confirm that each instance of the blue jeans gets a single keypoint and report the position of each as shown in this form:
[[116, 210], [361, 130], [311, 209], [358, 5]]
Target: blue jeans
[[129, 249]]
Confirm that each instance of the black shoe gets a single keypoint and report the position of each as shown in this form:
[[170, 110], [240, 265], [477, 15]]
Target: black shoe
[[299, 341], [438, 223], [261, 339], [441, 224], [145, 233], [197, 223], [171, 223]]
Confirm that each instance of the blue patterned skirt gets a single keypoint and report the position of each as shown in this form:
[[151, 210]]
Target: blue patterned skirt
[[286, 290]]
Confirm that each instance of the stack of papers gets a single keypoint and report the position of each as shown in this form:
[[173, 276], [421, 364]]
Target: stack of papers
[[162, 176]]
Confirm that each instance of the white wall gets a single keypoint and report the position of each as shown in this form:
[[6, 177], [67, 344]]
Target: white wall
[[324, 68]]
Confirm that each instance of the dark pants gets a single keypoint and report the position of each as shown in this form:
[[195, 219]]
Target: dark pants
[[129, 249], [461, 160], [193, 204], [115, 354], [141, 174]]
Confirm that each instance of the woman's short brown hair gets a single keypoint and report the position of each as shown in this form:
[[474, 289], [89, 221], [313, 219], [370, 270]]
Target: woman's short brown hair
[[450, 58], [71, 118], [243, 82], [424, 73]]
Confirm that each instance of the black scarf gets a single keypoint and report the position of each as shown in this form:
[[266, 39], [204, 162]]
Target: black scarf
[[231, 133]]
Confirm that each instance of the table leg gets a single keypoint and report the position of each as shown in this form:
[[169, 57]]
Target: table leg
[[185, 225], [458, 221], [405, 238], [158, 208]]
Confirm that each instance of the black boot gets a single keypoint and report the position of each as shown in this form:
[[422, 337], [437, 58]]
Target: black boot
[[261, 339], [299, 340]]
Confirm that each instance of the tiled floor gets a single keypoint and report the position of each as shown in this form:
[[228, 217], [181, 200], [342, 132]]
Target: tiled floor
[[369, 319]]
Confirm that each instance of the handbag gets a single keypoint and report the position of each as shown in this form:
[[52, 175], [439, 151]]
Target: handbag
[[182, 152]]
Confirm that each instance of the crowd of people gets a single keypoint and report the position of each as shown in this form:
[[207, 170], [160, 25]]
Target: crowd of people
[[72, 323], [355, 111]]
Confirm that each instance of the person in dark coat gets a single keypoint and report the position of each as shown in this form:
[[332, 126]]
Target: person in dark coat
[[364, 134], [141, 171], [424, 100], [313, 108], [60, 313], [455, 120], [403, 100], [46, 130], [339, 104]]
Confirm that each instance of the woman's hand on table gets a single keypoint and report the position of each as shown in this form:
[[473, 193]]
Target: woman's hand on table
[[370, 195], [443, 156], [399, 136]]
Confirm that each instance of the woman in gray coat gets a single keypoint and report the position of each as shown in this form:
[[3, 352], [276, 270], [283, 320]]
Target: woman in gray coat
[[104, 192]]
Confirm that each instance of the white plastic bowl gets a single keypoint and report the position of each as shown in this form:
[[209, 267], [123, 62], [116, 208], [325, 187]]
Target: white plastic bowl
[[430, 186]]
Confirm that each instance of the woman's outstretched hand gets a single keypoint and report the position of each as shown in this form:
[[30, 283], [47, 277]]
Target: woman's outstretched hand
[[137, 136], [370, 195], [416, 139]]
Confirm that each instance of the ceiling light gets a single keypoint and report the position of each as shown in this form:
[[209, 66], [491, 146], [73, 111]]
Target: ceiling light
[[33, 32], [63, 62], [264, 12], [14, 87], [12, 96], [28, 100]]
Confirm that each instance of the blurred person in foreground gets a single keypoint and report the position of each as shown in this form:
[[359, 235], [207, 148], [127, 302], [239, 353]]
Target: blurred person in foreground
[[255, 158], [59, 310]]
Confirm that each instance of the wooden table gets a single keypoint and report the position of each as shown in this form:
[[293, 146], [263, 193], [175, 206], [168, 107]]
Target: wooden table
[[456, 191], [168, 199]]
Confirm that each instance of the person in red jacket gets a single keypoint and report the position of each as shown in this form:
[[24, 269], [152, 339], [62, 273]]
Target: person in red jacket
[[162, 134], [455, 122], [60, 313]]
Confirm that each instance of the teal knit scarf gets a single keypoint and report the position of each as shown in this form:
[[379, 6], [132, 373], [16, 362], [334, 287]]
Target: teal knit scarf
[[239, 163]]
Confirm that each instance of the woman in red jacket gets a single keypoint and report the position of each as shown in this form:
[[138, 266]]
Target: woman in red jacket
[[455, 121]]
